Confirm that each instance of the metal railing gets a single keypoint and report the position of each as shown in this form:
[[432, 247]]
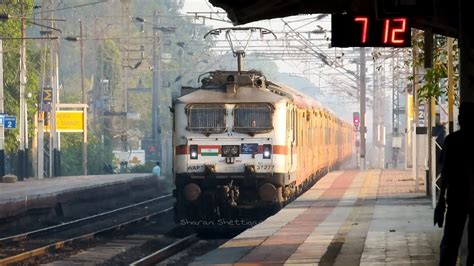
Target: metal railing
[[435, 189]]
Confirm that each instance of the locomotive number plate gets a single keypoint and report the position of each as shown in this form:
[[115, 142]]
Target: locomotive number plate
[[264, 167]]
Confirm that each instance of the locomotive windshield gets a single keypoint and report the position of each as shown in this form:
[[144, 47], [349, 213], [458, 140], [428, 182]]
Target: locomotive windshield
[[253, 118], [206, 118]]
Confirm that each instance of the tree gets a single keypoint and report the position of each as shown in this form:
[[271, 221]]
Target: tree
[[433, 76], [11, 28], [98, 154]]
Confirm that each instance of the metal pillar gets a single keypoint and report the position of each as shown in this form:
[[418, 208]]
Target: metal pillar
[[43, 156], [428, 49], [375, 115], [363, 129], [240, 64], [395, 98], [125, 73], [415, 120], [156, 136], [381, 118], [378, 130], [84, 101], [409, 118], [450, 87], [466, 43], [22, 152], [55, 160], [395, 112]]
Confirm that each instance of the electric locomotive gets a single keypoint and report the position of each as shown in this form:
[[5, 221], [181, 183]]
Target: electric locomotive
[[245, 146]]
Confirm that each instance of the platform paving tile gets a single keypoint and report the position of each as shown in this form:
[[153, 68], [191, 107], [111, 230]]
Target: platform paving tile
[[327, 229], [402, 225], [365, 263], [353, 232], [371, 221], [234, 249], [51, 186]]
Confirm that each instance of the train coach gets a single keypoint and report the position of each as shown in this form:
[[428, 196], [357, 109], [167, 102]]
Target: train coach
[[246, 146]]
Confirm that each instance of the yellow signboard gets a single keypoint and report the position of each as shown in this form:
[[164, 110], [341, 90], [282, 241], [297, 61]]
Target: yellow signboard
[[69, 121]]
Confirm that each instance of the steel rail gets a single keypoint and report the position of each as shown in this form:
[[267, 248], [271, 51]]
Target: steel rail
[[24, 236], [61, 244], [167, 251]]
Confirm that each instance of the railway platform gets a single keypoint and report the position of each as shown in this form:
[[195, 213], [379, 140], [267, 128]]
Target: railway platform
[[373, 217], [72, 196]]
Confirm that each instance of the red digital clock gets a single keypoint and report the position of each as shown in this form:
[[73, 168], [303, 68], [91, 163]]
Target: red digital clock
[[367, 31]]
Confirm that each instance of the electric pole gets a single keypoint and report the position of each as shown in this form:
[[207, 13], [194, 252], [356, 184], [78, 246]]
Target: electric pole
[[378, 129], [362, 108], [156, 136], [396, 139], [23, 152], [54, 139], [84, 101]]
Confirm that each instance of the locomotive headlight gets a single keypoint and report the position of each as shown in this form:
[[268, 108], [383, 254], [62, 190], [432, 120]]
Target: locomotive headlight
[[193, 151], [267, 151]]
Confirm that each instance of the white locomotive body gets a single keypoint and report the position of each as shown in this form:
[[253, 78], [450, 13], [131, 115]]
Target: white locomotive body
[[245, 146]]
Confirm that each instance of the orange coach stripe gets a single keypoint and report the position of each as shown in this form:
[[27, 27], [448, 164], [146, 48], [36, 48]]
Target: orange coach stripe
[[276, 149], [181, 149], [280, 149]]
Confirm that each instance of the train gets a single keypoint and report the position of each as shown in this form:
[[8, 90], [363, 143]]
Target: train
[[245, 146]]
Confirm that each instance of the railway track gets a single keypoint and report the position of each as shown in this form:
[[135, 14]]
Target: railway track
[[25, 246], [177, 246], [166, 252]]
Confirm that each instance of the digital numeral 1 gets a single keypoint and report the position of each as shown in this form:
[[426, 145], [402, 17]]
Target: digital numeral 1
[[390, 35]]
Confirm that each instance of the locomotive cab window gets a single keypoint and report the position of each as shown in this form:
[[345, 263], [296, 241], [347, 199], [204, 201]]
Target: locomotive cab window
[[253, 118], [206, 118]]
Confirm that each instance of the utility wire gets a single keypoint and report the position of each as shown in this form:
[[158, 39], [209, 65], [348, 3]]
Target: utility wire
[[70, 7]]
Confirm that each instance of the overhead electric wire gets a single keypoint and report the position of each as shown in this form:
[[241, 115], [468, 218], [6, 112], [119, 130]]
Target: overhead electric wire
[[320, 54], [70, 7]]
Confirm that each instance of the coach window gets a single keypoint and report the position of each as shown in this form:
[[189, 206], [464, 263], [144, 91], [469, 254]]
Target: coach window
[[206, 118], [293, 118], [253, 118]]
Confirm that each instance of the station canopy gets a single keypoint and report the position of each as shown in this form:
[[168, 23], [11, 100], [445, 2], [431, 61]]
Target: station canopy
[[439, 15]]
